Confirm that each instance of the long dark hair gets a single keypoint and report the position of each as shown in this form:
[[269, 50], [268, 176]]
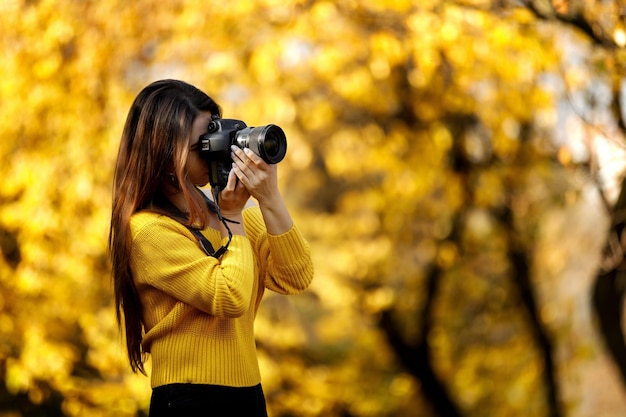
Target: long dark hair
[[153, 148]]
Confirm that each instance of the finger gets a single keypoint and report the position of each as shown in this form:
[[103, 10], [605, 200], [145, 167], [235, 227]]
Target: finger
[[244, 167], [240, 160], [242, 173], [253, 156], [246, 155], [236, 153], [240, 187], [231, 184], [239, 155]]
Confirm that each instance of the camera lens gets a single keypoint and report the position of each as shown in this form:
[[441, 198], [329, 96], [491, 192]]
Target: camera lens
[[269, 142], [272, 144]]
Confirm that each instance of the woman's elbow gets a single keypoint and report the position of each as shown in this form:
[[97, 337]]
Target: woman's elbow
[[235, 312], [236, 306], [296, 282], [303, 281], [232, 305]]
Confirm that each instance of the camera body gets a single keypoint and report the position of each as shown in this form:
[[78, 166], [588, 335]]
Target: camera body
[[268, 142]]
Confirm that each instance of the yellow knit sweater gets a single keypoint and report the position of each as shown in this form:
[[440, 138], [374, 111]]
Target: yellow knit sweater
[[198, 311]]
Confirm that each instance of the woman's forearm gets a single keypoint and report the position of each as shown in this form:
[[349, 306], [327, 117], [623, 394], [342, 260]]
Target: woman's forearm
[[275, 215]]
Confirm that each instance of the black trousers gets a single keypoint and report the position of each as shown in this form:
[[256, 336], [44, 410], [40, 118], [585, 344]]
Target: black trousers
[[197, 400]]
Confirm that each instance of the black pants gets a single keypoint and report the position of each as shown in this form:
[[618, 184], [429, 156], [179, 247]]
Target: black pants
[[196, 400]]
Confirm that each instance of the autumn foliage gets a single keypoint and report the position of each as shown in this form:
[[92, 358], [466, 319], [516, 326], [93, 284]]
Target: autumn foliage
[[454, 164]]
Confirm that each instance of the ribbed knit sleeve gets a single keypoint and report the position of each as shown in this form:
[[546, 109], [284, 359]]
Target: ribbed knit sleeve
[[166, 256], [286, 264]]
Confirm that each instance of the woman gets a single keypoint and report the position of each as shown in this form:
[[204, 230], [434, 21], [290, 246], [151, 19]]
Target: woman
[[192, 312]]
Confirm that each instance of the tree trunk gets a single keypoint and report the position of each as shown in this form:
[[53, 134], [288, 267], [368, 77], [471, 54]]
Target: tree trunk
[[610, 286], [416, 358]]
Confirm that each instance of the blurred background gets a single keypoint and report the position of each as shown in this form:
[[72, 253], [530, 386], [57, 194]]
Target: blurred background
[[456, 165]]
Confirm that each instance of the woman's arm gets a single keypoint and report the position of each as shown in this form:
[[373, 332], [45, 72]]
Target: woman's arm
[[285, 253], [260, 179], [286, 266], [166, 256]]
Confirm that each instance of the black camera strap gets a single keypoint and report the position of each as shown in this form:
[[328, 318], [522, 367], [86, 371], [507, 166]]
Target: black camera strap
[[202, 241]]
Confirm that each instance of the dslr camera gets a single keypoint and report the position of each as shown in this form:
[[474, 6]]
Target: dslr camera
[[268, 142]]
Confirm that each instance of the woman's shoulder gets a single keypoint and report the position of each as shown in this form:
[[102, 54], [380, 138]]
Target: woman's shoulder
[[146, 219]]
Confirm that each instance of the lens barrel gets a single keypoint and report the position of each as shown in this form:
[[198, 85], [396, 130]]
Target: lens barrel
[[269, 142]]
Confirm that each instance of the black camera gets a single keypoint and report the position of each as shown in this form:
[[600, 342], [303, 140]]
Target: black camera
[[269, 142]]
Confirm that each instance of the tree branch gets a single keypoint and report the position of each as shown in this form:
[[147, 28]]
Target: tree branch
[[545, 11]]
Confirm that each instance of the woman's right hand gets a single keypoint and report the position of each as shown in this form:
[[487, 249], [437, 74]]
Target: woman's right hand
[[233, 197], [232, 200]]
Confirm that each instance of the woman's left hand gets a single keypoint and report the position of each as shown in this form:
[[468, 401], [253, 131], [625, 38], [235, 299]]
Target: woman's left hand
[[259, 177], [261, 181]]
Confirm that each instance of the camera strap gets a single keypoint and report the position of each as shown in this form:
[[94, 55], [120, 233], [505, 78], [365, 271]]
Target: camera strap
[[202, 241]]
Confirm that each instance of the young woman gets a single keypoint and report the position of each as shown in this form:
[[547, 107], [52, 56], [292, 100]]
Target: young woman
[[193, 312]]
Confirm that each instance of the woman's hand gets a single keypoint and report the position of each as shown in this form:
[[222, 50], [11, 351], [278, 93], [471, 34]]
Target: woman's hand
[[233, 197], [261, 181], [232, 200], [259, 178]]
